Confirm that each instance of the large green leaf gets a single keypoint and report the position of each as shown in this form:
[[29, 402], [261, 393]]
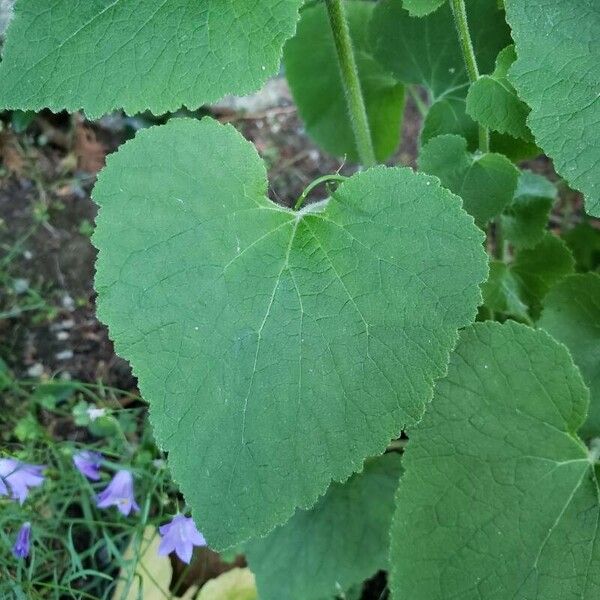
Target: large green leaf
[[485, 182], [572, 315], [341, 541], [525, 220], [100, 55], [277, 349], [426, 50], [556, 73], [312, 71], [493, 102], [500, 498]]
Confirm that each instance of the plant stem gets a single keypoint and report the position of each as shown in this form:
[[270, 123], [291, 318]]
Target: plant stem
[[314, 184], [464, 37], [413, 91], [351, 83]]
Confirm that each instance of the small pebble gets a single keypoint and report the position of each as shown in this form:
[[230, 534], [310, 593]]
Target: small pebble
[[64, 355], [36, 370]]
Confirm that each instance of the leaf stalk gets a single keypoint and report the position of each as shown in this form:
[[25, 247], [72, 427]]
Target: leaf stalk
[[464, 37], [351, 83], [314, 184]]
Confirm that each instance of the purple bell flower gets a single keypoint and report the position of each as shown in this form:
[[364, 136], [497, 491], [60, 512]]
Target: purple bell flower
[[180, 535], [88, 463], [19, 477], [119, 493], [21, 547]]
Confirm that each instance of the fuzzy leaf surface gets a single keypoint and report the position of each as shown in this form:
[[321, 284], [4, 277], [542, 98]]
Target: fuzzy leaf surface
[[500, 498], [486, 182], [277, 349], [556, 73], [571, 315], [343, 540], [101, 55], [312, 70]]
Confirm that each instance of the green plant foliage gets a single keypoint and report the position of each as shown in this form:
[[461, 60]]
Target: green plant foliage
[[448, 116], [500, 498], [341, 541], [139, 54], [426, 50], [584, 242], [517, 289], [316, 84], [571, 315], [556, 74], [270, 342], [493, 102], [502, 293], [541, 267], [420, 8], [525, 220], [485, 182]]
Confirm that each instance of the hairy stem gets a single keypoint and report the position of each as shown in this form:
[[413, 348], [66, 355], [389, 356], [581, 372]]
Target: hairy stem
[[351, 83], [314, 184], [462, 28]]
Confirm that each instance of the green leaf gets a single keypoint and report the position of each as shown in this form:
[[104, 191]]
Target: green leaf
[[502, 292], [572, 316], [420, 8], [485, 182], [525, 220], [517, 289], [101, 55], [541, 267], [341, 541], [556, 73], [584, 242], [500, 498], [493, 102], [448, 116], [426, 50], [312, 71], [277, 349]]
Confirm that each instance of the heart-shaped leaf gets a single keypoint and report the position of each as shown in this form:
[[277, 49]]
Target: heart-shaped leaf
[[341, 541], [556, 73], [277, 349], [485, 182], [571, 315], [311, 68], [100, 55], [500, 498]]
